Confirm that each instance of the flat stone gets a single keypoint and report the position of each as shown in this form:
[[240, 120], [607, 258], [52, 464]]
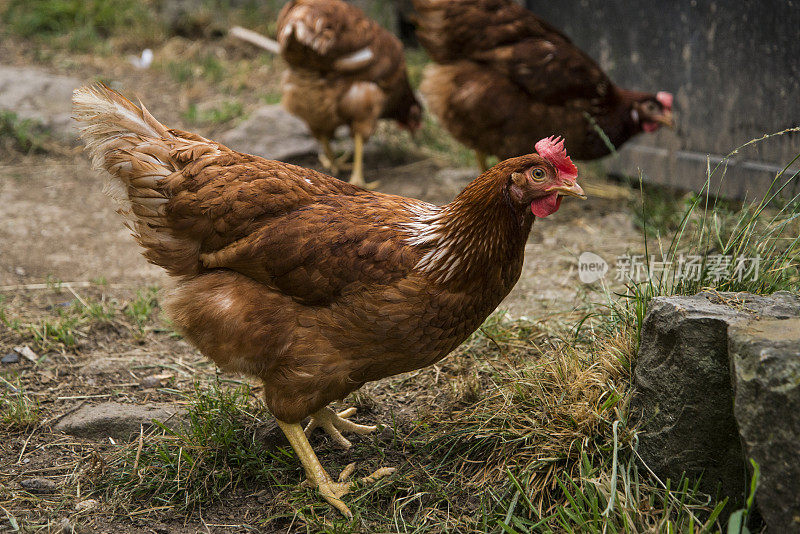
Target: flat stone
[[766, 372], [11, 357], [119, 421], [273, 133], [683, 396], [39, 485], [43, 97]]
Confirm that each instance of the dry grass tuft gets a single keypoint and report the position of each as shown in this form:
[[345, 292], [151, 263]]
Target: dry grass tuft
[[541, 417]]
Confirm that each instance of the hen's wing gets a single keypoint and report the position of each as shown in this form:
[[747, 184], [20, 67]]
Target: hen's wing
[[513, 41], [315, 253], [336, 38], [197, 205]]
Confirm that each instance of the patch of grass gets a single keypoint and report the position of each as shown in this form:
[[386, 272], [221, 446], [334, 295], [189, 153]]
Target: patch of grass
[[205, 66], [141, 309], [100, 312], [69, 318], [226, 111], [22, 135], [181, 71], [596, 501], [82, 25], [17, 411], [217, 450], [67, 321], [272, 97], [47, 333], [70, 321]]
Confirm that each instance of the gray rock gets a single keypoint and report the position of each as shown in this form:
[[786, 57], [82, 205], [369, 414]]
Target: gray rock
[[38, 485], [272, 132], [119, 421], [766, 371], [683, 396], [40, 96], [11, 357]]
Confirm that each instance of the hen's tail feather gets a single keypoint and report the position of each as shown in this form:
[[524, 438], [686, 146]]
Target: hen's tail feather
[[303, 27], [139, 155]]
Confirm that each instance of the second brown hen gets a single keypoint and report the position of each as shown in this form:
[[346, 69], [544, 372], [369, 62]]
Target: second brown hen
[[344, 69], [504, 78]]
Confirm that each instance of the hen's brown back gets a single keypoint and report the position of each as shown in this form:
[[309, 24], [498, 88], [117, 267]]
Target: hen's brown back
[[335, 38], [506, 37]]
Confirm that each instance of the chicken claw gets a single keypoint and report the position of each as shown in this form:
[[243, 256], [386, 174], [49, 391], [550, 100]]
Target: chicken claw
[[331, 162], [316, 476], [335, 423]]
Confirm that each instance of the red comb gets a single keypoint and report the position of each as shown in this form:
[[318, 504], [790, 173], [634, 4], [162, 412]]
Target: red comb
[[552, 149], [665, 99]]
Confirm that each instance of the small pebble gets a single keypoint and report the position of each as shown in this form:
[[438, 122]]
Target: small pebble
[[87, 505], [38, 485], [154, 381], [11, 357], [26, 351], [385, 434]]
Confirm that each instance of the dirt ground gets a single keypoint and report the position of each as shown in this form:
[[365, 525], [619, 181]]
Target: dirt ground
[[56, 225]]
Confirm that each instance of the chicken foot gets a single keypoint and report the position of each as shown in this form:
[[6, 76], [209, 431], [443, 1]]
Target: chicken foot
[[357, 178], [330, 161], [316, 475], [335, 423]]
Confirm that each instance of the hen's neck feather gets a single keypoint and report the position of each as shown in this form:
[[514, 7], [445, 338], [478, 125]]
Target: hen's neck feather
[[477, 234]]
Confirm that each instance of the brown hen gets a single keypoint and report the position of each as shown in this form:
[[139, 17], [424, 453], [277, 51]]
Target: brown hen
[[313, 285], [504, 78], [344, 69]]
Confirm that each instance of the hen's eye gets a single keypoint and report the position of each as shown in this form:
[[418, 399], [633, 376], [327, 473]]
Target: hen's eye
[[538, 174]]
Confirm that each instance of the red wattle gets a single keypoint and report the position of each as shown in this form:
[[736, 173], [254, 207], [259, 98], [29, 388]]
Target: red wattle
[[542, 207], [650, 126]]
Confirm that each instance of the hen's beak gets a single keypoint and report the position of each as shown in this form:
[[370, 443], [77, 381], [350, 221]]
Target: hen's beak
[[666, 119], [573, 190]]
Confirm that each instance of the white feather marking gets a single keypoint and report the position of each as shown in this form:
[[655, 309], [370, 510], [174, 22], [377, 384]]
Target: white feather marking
[[224, 303], [150, 202], [356, 60], [151, 159], [118, 191]]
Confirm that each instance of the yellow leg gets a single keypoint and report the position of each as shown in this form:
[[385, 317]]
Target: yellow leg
[[335, 423], [481, 157], [329, 160], [357, 178], [317, 476]]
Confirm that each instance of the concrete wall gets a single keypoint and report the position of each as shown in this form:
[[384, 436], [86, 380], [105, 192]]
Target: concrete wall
[[733, 66]]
